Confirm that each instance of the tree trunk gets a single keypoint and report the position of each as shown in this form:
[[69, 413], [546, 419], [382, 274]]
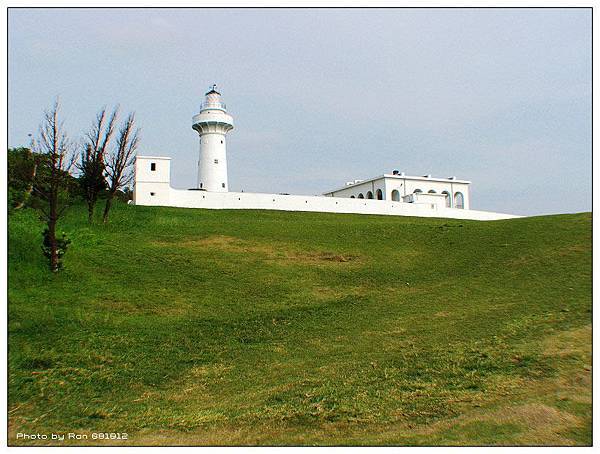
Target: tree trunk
[[91, 204], [107, 207], [52, 235]]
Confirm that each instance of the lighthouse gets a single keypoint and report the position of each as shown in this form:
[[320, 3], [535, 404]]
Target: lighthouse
[[212, 124]]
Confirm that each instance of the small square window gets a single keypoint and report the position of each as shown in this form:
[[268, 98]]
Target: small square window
[[153, 166], [153, 194], [223, 184], [216, 161]]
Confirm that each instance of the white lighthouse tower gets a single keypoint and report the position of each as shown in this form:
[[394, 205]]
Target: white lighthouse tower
[[212, 123]]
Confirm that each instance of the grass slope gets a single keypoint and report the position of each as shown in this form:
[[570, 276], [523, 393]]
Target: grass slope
[[257, 327]]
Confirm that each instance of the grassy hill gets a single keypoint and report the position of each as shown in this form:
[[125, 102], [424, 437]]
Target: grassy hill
[[263, 327]]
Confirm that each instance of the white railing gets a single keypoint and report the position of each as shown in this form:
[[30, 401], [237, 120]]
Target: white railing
[[213, 105]]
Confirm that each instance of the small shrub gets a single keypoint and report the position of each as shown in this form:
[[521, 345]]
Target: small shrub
[[62, 243]]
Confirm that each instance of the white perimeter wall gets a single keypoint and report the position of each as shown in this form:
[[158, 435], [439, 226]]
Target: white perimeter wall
[[167, 196]]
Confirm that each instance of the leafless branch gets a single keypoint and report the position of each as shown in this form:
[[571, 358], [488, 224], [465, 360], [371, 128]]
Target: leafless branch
[[120, 161], [92, 157]]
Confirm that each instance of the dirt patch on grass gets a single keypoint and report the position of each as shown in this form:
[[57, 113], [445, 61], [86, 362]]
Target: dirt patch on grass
[[194, 385], [215, 240], [573, 347], [534, 423], [328, 293], [541, 420], [534, 416], [548, 255], [281, 252], [175, 308], [575, 341], [210, 370], [331, 293]]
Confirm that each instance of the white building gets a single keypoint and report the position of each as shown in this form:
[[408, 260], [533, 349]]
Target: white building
[[388, 194], [398, 187]]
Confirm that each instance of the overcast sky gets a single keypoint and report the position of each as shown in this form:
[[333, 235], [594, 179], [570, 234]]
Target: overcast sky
[[501, 97]]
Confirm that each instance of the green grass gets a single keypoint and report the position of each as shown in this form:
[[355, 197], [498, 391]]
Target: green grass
[[274, 328]]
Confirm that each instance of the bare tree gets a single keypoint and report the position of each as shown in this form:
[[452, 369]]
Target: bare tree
[[92, 158], [119, 162], [57, 150]]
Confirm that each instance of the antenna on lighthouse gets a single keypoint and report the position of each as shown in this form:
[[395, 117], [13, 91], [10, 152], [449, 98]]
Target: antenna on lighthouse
[[213, 89]]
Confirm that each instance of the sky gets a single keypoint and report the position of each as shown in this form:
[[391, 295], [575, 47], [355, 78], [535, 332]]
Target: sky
[[500, 97]]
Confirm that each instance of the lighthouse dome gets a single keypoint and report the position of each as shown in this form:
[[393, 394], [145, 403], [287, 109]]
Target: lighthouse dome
[[213, 96], [212, 100]]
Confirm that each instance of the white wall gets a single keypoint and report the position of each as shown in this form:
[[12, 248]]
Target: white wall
[[153, 188], [407, 186], [423, 197], [244, 200], [212, 162], [144, 172]]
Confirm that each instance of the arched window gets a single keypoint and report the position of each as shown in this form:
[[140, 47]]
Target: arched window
[[352, 197], [447, 197], [459, 200], [361, 196], [369, 195], [417, 191], [379, 194], [431, 191], [395, 195]]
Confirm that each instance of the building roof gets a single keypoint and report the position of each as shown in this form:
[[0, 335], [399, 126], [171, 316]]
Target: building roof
[[401, 177], [151, 157]]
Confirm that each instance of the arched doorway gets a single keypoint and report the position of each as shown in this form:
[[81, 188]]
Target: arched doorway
[[431, 191], [369, 195], [447, 198], [361, 196], [351, 196], [379, 194], [395, 195], [459, 200], [417, 191]]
